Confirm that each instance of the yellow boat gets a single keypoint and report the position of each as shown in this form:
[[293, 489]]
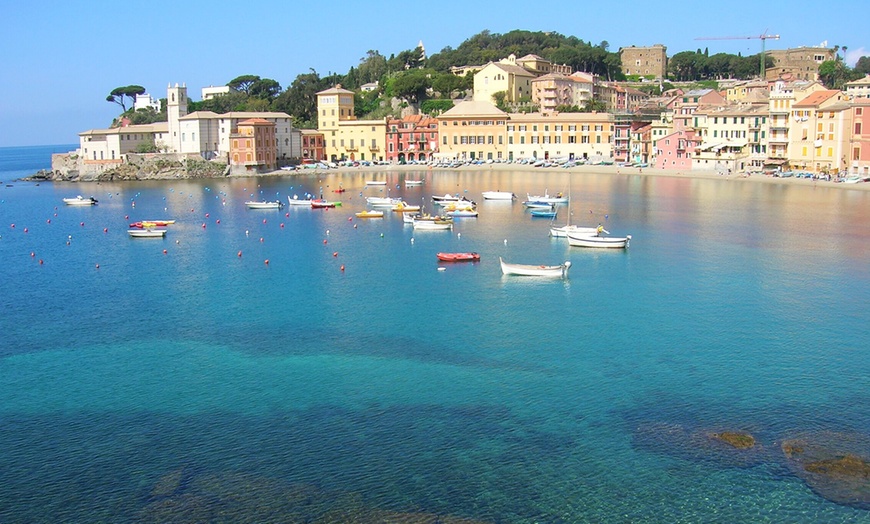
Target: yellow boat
[[370, 214]]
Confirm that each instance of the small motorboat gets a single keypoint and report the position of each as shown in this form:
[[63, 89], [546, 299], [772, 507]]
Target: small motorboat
[[563, 231], [146, 233], [544, 213], [404, 207], [498, 195], [559, 198], [370, 214], [534, 271], [296, 201], [152, 223], [530, 204], [339, 190], [458, 257], [413, 182], [275, 204], [433, 223], [80, 201], [464, 212], [376, 182]]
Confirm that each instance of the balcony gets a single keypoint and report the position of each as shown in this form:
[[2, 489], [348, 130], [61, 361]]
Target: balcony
[[374, 148]]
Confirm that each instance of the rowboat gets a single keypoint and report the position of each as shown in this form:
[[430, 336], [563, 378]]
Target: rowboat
[[80, 201], [296, 201], [464, 212], [560, 271], [458, 257], [146, 233], [498, 195], [319, 203], [537, 205], [563, 231], [558, 199], [596, 240], [383, 201], [544, 213], [370, 214], [275, 204]]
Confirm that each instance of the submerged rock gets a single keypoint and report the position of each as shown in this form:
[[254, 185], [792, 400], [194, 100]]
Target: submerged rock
[[727, 448], [834, 465], [736, 439]]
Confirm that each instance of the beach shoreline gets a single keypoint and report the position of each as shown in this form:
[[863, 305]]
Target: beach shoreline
[[599, 169]]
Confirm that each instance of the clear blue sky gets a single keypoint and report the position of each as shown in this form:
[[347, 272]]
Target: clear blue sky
[[61, 59]]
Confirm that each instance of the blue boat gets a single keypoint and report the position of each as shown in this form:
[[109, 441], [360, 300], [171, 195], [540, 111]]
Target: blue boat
[[544, 213]]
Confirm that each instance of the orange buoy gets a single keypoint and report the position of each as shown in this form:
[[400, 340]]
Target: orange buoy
[[240, 253], [335, 253], [266, 261], [164, 251], [40, 261], [287, 215], [349, 219], [324, 241], [342, 267]]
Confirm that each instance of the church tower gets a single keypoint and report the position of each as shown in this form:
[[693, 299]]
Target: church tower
[[176, 107]]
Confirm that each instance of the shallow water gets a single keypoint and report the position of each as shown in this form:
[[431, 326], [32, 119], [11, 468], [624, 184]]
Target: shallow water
[[392, 386]]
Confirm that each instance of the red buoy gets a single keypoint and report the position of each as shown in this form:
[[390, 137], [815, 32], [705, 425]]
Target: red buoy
[[342, 267], [240, 253], [164, 251], [267, 261], [335, 253]]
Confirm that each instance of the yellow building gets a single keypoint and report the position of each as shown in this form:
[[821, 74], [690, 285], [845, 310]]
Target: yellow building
[[560, 135], [734, 138], [472, 131], [503, 76], [820, 134], [345, 137], [782, 96]]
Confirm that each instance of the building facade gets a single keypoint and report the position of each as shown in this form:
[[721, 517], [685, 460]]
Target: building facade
[[472, 130], [676, 150], [799, 63], [649, 61], [859, 143], [253, 146], [547, 136], [412, 138], [821, 134], [313, 145], [108, 146], [503, 76]]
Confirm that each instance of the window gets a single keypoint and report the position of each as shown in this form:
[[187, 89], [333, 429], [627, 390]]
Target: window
[[857, 128]]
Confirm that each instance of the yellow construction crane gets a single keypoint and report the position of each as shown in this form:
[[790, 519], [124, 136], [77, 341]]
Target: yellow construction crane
[[764, 37]]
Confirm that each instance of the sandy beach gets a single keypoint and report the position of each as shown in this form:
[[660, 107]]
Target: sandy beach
[[697, 174]]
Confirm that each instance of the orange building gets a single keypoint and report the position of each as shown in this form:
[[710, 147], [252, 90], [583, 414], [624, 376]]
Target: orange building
[[313, 145], [253, 146]]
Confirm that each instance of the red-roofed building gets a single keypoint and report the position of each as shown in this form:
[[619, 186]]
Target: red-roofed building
[[819, 137], [412, 138]]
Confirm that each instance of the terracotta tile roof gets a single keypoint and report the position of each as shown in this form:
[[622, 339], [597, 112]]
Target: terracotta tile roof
[[814, 99]]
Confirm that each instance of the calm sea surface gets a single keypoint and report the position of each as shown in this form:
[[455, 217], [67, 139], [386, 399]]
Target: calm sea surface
[[186, 379]]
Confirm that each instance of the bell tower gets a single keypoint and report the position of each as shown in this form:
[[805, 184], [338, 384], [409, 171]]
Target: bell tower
[[176, 107]]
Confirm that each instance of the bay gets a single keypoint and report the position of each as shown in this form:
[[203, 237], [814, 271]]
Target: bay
[[204, 381]]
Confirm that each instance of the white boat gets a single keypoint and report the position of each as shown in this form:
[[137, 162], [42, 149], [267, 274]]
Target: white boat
[[146, 233], [560, 271], [559, 198], [446, 198], [596, 240], [80, 201], [404, 207], [465, 212], [296, 201], [433, 223], [383, 201], [454, 202], [376, 182], [413, 182], [275, 204], [537, 205], [563, 231], [498, 195]]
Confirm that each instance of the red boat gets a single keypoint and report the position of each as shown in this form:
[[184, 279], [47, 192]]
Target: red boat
[[339, 190], [319, 203], [458, 257]]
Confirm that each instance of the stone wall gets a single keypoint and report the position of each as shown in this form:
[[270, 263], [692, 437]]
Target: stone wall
[[71, 167]]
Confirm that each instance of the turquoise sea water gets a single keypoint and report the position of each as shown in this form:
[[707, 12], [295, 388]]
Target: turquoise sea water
[[199, 385]]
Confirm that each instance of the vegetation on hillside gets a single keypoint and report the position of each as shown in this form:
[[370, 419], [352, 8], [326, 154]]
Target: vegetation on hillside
[[409, 78]]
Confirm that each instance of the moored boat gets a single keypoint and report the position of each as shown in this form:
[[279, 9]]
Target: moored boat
[[404, 207], [598, 241], [463, 212], [534, 271], [559, 198], [146, 233], [275, 204], [370, 214], [383, 201], [562, 231], [80, 201], [376, 182], [544, 213], [319, 203], [498, 195], [296, 201], [413, 182], [433, 223], [458, 257]]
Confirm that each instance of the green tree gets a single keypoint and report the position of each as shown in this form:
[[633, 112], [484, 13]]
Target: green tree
[[499, 98], [412, 85], [243, 83], [835, 73], [372, 67], [300, 99], [264, 89], [436, 107], [862, 66], [119, 93]]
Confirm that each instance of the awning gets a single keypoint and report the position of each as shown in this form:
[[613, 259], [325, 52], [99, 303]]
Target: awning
[[775, 161], [707, 147]]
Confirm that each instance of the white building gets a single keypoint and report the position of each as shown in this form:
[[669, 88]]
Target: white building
[[145, 101], [213, 91], [107, 146]]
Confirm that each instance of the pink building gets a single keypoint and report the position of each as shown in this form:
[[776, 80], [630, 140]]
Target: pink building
[[675, 151], [411, 138], [859, 160], [686, 105]]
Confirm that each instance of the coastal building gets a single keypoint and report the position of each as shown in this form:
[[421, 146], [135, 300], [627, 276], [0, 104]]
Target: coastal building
[[411, 138], [504, 76], [559, 135], [553, 90], [641, 142], [859, 88], [622, 137], [781, 97], [472, 130], [540, 66], [369, 87], [748, 91], [859, 142], [145, 101], [313, 145], [676, 150], [684, 106], [108, 146], [253, 146], [345, 137], [799, 63], [213, 91], [734, 138], [820, 137], [584, 87], [650, 62]]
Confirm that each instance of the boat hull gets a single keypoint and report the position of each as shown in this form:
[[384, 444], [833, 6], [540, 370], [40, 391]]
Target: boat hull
[[560, 271], [563, 231], [498, 195], [458, 257], [146, 233], [265, 205], [598, 242]]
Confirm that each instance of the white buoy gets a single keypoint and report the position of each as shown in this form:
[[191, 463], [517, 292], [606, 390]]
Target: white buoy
[[458, 235], [442, 269], [505, 241], [412, 240]]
